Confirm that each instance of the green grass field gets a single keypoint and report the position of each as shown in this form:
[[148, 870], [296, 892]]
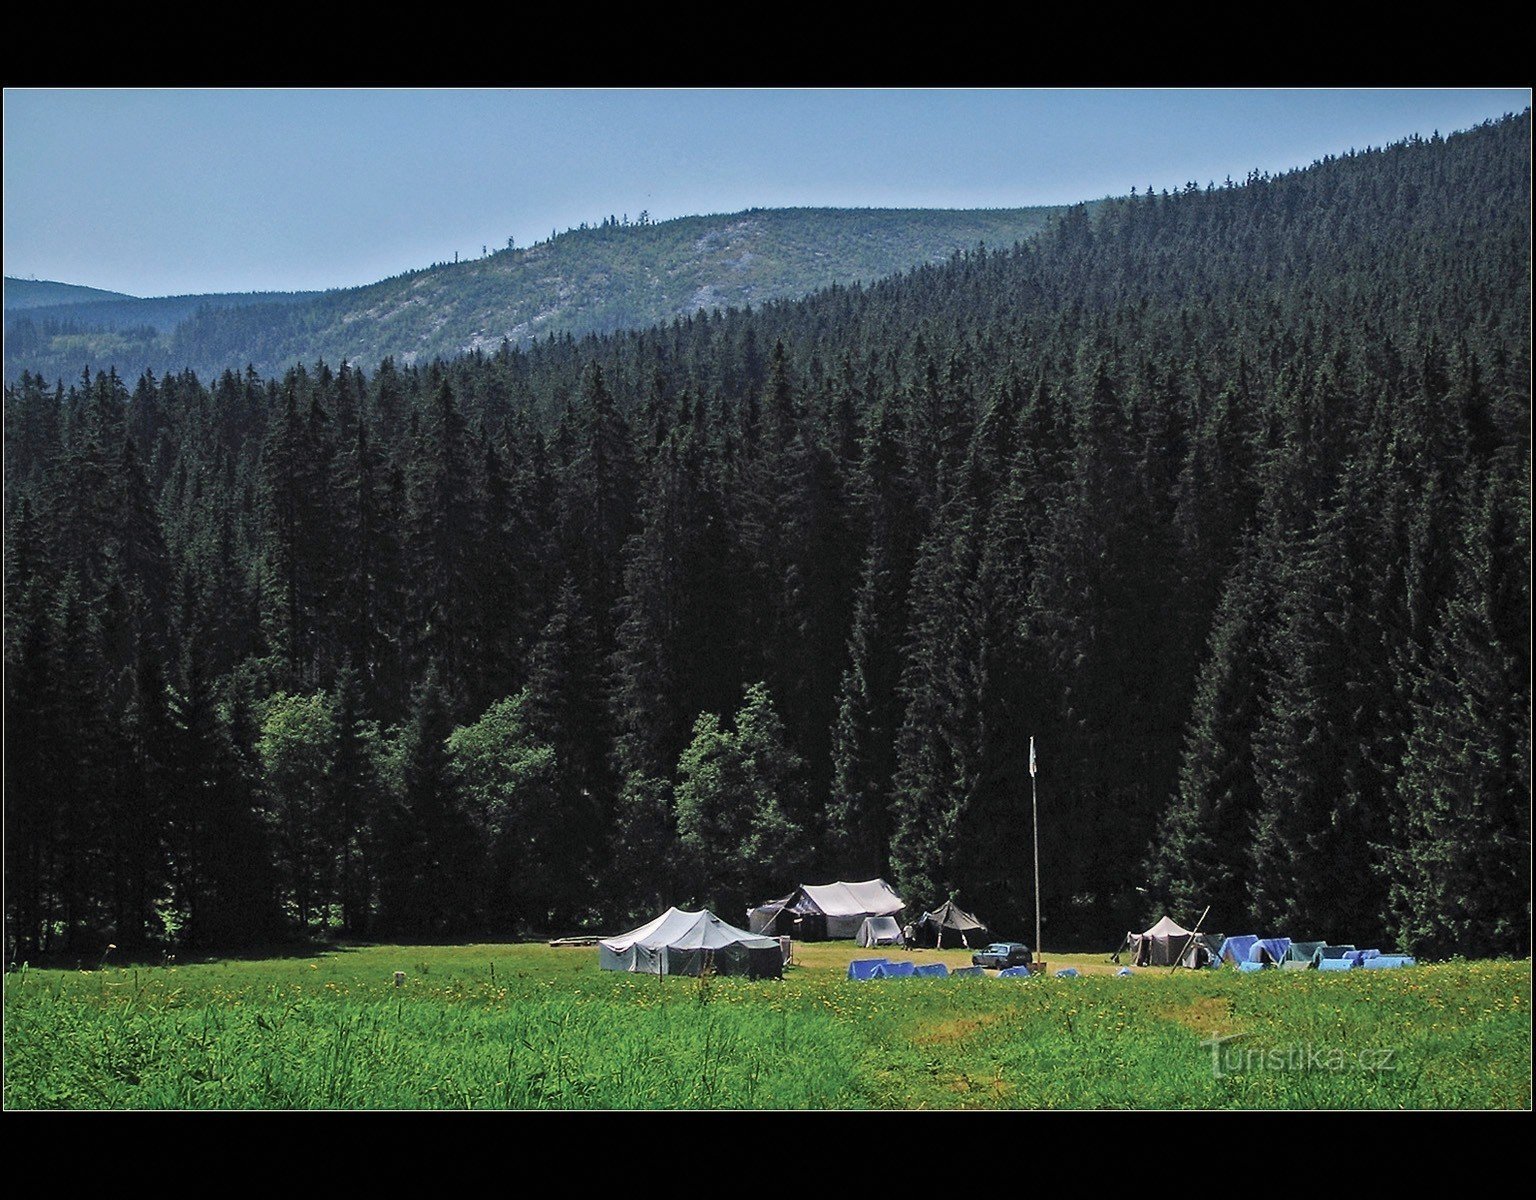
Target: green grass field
[[528, 1026]]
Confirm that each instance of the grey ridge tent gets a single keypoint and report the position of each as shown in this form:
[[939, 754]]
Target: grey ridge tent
[[951, 925], [880, 931], [828, 910], [682, 943]]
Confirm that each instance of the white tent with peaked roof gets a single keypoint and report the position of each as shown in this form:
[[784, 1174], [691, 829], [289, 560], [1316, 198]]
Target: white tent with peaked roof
[[682, 943], [1164, 944], [826, 910]]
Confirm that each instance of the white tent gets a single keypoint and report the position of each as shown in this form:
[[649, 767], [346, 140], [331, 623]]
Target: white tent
[[831, 910], [1164, 944], [682, 943], [880, 931]]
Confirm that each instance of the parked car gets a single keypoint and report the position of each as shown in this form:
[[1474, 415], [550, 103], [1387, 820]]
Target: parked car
[[1003, 954]]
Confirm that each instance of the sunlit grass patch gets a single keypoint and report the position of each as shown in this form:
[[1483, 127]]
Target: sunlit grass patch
[[530, 1026]]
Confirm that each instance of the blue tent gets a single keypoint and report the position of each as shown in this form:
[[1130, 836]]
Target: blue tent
[[937, 970], [1385, 961], [1013, 973], [1270, 950], [1336, 964], [864, 968], [1067, 973], [1336, 951], [1235, 949], [1250, 966], [895, 970], [1359, 957]]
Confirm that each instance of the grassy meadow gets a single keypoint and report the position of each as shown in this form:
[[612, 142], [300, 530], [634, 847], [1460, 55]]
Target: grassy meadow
[[535, 1027]]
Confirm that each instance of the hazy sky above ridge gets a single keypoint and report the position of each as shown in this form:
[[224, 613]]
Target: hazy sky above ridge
[[165, 192]]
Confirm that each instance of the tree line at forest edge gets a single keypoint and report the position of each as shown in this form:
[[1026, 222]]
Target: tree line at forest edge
[[1222, 495]]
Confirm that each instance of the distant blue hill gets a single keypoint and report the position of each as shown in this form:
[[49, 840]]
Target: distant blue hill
[[39, 293], [112, 312]]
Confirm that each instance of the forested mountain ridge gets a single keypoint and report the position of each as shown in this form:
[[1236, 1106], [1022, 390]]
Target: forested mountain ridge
[[59, 338], [616, 275], [38, 293], [1223, 496], [33, 325]]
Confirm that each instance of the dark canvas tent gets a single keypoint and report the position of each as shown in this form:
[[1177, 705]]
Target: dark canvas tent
[[1204, 950], [880, 931], [1310, 953], [1165, 944], [683, 943], [770, 917], [950, 925], [814, 911]]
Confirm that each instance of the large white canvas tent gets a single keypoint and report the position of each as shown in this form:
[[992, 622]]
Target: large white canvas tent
[[828, 910], [880, 931], [683, 943]]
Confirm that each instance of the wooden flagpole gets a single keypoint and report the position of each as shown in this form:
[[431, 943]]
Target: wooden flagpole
[[1034, 800]]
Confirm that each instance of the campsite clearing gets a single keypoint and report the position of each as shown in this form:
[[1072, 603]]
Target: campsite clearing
[[534, 1026]]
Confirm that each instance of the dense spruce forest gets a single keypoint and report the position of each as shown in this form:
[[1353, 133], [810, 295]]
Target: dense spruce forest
[[1221, 494]]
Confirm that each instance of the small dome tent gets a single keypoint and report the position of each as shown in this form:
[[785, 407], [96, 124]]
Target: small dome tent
[[1235, 949], [1270, 952], [880, 931]]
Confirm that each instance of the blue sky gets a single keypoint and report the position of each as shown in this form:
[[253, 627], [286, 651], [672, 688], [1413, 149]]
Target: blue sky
[[164, 192]]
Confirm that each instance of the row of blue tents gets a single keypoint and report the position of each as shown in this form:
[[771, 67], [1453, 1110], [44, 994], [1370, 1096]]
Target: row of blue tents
[[884, 968], [1249, 952]]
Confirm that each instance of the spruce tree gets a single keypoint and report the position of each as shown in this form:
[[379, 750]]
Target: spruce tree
[[1463, 883], [735, 790]]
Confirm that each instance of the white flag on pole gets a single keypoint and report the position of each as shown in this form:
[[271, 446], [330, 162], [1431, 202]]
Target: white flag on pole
[[1031, 756]]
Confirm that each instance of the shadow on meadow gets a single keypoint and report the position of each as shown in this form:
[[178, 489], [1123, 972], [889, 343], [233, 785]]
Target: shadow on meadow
[[109, 957]]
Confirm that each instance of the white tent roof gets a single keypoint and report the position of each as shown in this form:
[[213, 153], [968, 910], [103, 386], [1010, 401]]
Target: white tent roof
[[1167, 927], [873, 896], [681, 930]]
